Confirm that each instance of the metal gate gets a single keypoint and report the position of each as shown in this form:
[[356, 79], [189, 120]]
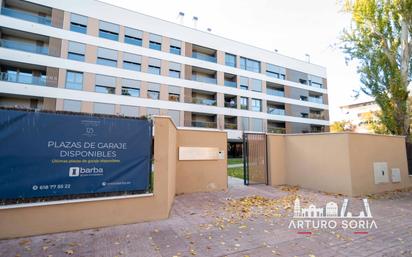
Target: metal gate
[[409, 156], [255, 170]]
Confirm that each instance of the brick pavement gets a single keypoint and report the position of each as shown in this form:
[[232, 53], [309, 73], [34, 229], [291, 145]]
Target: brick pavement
[[205, 224]]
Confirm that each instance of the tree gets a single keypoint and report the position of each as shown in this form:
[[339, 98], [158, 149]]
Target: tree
[[341, 126], [380, 39]]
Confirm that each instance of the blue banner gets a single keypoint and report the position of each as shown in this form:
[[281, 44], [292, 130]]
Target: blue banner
[[50, 154]]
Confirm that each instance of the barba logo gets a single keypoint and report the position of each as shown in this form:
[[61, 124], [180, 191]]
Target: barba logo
[[82, 172]]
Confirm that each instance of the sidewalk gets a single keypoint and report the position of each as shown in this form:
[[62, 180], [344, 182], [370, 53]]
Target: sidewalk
[[226, 224]]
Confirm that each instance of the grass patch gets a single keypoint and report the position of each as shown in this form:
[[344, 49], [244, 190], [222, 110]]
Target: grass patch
[[235, 161], [235, 172]]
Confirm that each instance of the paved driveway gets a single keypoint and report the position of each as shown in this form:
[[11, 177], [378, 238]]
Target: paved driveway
[[244, 221]]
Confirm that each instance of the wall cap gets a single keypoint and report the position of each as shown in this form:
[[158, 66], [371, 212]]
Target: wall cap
[[334, 133], [39, 204]]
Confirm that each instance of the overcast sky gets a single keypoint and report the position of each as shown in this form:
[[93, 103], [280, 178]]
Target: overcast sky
[[294, 27]]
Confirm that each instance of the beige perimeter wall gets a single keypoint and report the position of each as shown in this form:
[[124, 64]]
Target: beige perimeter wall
[[336, 163], [26, 220]]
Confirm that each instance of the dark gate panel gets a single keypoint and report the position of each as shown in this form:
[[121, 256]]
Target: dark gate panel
[[255, 158], [409, 156]]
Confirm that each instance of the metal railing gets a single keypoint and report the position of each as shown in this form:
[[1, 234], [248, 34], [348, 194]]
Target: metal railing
[[22, 46], [276, 130], [25, 79], [27, 16], [204, 79], [204, 57], [203, 124]]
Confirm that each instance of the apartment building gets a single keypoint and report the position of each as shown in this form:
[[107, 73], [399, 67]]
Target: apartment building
[[89, 56]]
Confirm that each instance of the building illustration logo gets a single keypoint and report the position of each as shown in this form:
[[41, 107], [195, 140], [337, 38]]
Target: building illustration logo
[[332, 217]]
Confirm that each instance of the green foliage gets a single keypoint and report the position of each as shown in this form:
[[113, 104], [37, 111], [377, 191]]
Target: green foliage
[[234, 161], [380, 39], [341, 126], [235, 172]]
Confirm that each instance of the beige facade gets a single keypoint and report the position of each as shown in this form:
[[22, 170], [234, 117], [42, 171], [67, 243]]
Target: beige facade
[[336, 163]]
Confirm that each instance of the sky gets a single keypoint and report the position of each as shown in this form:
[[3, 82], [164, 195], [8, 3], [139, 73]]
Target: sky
[[293, 27]]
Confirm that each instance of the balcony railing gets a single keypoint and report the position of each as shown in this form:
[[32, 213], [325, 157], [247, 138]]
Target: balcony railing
[[315, 84], [276, 111], [276, 130], [203, 124], [230, 125], [204, 79], [22, 46], [229, 83], [271, 91], [318, 100], [27, 16], [316, 116], [205, 101], [24, 78], [204, 57]]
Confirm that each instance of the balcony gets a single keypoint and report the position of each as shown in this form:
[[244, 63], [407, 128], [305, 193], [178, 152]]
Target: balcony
[[275, 92], [24, 78], [23, 46], [230, 101], [204, 101], [317, 100], [276, 130], [204, 79], [229, 83], [27, 16], [276, 111], [203, 124], [230, 122], [204, 57], [316, 116], [230, 80]]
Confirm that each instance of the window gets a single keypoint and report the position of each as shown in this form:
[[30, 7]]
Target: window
[[131, 91], [103, 89], [257, 124], [256, 85], [102, 108], [106, 57], [174, 69], [304, 115], [230, 60], [303, 98], [175, 47], [244, 103], [76, 51], [78, 23], [175, 50], [275, 71], [249, 64], [74, 80], [132, 61], [131, 111], [154, 66], [154, 70], [131, 66], [175, 115], [109, 30], [244, 83], [155, 42], [256, 105], [153, 94], [174, 73], [303, 81], [174, 97], [315, 81], [72, 105], [133, 36]]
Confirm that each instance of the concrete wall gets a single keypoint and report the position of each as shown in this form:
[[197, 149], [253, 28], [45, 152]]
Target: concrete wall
[[206, 175], [336, 163]]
